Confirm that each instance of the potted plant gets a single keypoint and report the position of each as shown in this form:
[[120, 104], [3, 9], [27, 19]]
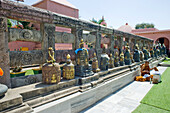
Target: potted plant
[[38, 70], [17, 72]]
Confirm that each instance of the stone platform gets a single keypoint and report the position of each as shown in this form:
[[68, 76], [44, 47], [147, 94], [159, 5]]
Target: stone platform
[[73, 95]]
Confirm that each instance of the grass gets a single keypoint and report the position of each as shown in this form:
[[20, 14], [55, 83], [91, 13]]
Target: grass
[[167, 61], [144, 108], [29, 72], [157, 99]]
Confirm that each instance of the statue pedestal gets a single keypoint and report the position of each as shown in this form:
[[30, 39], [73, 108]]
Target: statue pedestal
[[51, 73], [122, 63], [83, 71], [128, 62]]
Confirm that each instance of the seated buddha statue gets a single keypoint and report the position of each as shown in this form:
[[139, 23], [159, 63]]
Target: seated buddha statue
[[136, 55], [145, 69], [83, 68], [145, 53], [155, 52], [104, 61], [122, 59], [163, 49], [127, 55], [152, 52], [160, 49], [116, 60], [95, 66], [111, 61]]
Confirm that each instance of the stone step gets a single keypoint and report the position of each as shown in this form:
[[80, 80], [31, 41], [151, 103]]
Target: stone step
[[24, 108], [54, 96]]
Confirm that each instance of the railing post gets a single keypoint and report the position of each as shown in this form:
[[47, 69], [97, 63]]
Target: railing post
[[4, 54], [48, 38], [78, 33]]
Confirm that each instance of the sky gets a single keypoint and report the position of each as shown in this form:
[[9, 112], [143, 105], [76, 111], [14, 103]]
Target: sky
[[119, 12]]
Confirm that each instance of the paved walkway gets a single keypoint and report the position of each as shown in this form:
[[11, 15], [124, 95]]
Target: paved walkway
[[125, 100]]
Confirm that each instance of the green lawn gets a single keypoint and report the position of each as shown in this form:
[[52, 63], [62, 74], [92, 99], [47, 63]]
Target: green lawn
[[167, 61], [157, 99]]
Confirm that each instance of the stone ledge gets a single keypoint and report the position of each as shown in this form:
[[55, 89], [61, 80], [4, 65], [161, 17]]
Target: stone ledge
[[80, 101], [22, 95]]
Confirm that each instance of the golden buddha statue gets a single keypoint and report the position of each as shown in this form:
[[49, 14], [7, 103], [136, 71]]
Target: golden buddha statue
[[53, 79], [83, 68], [51, 72], [122, 59], [111, 61], [95, 66], [68, 69], [51, 58], [116, 60]]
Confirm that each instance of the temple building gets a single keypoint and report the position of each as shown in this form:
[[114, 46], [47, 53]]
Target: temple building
[[163, 36]]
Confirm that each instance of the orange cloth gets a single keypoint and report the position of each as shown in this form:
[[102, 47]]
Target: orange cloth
[[1, 72]]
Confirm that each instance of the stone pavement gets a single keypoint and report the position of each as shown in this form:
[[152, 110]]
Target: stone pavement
[[125, 100]]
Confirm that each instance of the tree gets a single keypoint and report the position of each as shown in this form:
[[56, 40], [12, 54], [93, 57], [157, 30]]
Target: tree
[[144, 25], [9, 23]]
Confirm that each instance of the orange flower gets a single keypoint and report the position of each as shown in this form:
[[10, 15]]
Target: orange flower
[[1, 72]]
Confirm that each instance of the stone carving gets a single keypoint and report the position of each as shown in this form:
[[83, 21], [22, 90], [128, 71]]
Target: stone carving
[[163, 49], [26, 34], [127, 55], [26, 58], [104, 62], [122, 59], [89, 38], [155, 51], [51, 72], [68, 69], [136, 54], [111, 61], [141, 56], [145, 53], [18, 58], [152, 52], [95, 66], [116, 59], [83, 68], [62, 37], [49, 31]]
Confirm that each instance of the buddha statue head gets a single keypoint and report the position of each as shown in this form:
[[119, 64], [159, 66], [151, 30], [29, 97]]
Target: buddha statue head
[[82, 44], [137, 47], [94, 55], [68, 59], [127, 46], [104, 49]]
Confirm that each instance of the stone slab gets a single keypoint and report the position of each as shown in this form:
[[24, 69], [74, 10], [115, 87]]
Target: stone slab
[[80, 101]]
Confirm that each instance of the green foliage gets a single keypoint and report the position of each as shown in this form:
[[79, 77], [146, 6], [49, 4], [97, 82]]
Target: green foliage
[[98, 22], [25, 25], [9, 23], [144, 25]]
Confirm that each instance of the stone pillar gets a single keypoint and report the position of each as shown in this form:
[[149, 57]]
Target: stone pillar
[[98, 45], [78, 33], [111, 45], [4, 54], [129, 41], [121, 44], [48, 38]]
